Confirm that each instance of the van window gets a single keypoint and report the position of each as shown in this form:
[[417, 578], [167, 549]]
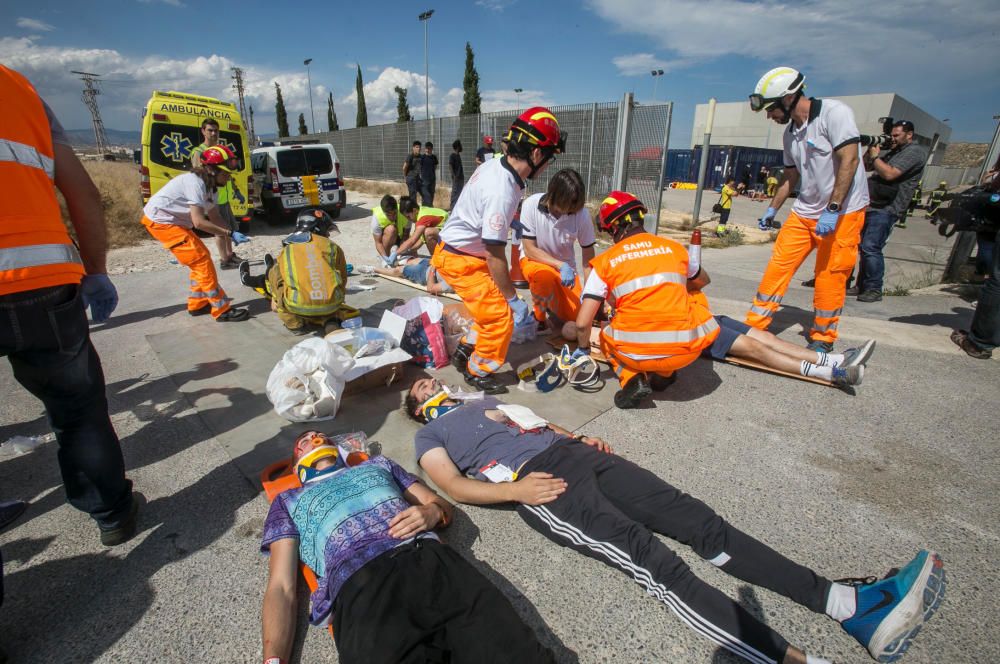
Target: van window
[[259, 163], [305, 161], [170, 145]]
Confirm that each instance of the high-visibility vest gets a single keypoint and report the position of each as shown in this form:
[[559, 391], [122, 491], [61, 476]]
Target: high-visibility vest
[[655, 315], [312, 283], [442, 215], [35, 248], [384, 222]]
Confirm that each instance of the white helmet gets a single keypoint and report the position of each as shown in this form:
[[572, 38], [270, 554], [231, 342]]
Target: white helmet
[[774, 85]]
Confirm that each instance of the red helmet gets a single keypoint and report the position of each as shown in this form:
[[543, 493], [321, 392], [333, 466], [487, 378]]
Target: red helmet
[[488, 140], [615, 207], [221, 157], [538, 127]]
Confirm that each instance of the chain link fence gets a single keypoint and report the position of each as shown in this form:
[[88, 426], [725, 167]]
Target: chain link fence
[[595, 146]]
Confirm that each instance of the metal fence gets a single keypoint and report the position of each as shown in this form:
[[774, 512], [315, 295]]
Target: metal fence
[[602, 137]]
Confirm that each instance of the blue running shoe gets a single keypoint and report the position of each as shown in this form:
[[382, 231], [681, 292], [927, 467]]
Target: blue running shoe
[[891, 612], [820, 346]]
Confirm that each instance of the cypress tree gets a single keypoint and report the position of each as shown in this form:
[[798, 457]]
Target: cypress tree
[[303, 129], [402, 107], [279, 112], [362, 119], [331, 115], [471, 100]]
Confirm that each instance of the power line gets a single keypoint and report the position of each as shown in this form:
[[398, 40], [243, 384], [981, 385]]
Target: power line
[[89, 97], [238, 86]]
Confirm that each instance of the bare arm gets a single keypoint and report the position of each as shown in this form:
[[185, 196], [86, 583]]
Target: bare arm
[[210, 222], [496, 262], [587, 254], [846, 160], [413, 240], [883, 169], [789, 180], [699, 281], [434, 287], [585, 320], [278, 610], [533, 489], [86, 212], [534, 252], [429, 511]]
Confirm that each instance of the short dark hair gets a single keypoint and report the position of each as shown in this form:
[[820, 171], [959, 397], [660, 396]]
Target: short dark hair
[[209, 121], [457, 145], [407, 204], [410, 405], [428, 144], [388, 203], [566, 191], [905, 125], [415, 143]]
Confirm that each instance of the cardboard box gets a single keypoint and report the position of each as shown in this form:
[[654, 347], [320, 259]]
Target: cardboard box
[[380, 377]]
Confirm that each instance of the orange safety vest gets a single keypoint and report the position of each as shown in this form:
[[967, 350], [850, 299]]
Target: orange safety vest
[[655, 316], [35, 248]]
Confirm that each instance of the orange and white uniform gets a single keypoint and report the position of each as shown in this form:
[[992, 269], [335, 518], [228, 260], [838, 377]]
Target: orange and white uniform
[[167, 217], [558, 238], [658, 326], [481, 217], [810, 149]]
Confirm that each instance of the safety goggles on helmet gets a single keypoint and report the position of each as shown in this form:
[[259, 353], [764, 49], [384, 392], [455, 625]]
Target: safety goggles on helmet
[[539, 127], [616, 206], [582, 372], [540, 375], [434, 407], [760, 103], [221, 157], [776, 80]]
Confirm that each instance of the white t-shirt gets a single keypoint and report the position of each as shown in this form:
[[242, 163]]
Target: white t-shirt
[[595, 287], [557, 237], [810, 148], [172, 203], [485, 208]]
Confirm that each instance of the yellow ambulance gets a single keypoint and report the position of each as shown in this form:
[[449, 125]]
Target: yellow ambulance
[[171, 130]]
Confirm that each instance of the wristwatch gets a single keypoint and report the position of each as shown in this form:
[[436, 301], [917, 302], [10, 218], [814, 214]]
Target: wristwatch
[[833, 207]]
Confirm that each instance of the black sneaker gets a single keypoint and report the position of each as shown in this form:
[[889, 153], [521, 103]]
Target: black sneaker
[[489, 383], [245, 272], [633, 393], [233, 315], [809, 283], [658, 383], [870, 296], [853, 291], [268, 262], [126, 530], [201, 311], [460, 359]]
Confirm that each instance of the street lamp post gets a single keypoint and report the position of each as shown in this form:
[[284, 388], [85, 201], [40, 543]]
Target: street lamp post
[[518, 92], [657, 73], [312, 114], [424, 17]]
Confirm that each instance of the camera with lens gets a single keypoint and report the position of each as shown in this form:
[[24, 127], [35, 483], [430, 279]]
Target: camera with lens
[[883, 140], [975, 209]]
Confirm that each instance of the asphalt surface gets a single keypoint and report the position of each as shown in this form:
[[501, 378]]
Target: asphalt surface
[[847, 484]]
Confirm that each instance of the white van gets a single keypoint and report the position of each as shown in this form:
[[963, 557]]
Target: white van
[[292, 177]]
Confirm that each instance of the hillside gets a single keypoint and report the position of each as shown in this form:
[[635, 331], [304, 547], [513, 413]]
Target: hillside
[[965, 154], [84, 138]]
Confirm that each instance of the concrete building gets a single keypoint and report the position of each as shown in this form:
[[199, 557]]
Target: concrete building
[[736, 124]]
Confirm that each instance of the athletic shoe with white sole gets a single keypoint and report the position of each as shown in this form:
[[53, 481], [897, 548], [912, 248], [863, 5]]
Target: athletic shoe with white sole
[[891, 612], [844, 376], [857, 356]]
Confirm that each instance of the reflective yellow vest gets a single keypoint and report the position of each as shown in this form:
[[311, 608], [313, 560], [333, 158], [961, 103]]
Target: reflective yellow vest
[[313, 277], [384, 222]]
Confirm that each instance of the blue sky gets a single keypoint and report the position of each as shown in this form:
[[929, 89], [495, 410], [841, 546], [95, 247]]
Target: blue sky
[[941, 55]]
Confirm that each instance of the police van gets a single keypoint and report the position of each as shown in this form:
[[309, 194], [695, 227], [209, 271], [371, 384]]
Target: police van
[[292, 177], [171, 129]]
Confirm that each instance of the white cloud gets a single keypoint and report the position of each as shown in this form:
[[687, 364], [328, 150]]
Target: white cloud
[[380, 95], [495, 5], [640, 64], [34, 25], [871, 46], [172, 3]]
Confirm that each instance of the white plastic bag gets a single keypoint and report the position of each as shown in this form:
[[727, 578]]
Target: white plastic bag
[[306, 385]]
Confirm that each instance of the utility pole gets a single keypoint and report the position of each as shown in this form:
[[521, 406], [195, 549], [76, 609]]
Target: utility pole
[[238, 86], [89, 97], [518, 92], [309, 82], [253, 136], [657, 73], [424, 17]]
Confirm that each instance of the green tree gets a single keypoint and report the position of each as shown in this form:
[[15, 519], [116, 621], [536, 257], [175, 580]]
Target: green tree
[[331, 115], [471, 101], [303, 129], [402, 107], [359, 86], [279, 113]]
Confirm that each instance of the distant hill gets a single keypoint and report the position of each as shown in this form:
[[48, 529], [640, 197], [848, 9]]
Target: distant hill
[[965, 154], [85, 137]]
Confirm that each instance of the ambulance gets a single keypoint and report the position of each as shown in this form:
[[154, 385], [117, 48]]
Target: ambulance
[[171, 130]]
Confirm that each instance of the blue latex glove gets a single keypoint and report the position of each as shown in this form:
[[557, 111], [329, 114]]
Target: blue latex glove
[[827, 223], [239, 238], [567, 274], [578, 353], [390, 260], [100, 295], [522, 312], [764, 223]]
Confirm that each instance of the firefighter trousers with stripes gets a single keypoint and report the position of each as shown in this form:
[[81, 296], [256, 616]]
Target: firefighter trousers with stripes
[[611, 511]]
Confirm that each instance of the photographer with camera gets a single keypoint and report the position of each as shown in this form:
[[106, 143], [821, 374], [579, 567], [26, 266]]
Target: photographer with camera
[[894, 177]]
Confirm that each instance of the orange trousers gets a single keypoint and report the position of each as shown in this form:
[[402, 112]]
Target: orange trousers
[[191, 252], [547, 292], [493, 324], [835, 257], [626, 368]]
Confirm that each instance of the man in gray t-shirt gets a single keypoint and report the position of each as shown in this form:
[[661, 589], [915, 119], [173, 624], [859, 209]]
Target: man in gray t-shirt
[[894, 177]]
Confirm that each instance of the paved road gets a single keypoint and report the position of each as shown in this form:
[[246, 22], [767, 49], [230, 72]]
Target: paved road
[[847, 484]]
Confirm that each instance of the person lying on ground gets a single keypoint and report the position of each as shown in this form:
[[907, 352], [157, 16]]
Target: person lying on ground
[[417, 269], [575, 491], [391, 590]]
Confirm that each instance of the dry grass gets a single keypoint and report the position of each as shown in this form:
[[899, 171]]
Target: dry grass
[[442, 193], [118, 183]]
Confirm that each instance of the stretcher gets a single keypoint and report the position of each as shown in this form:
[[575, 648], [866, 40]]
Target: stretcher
[[407, 282], [277, 478]]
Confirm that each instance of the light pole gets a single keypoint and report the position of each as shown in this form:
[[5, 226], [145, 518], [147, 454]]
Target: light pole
[[312, 115], [518, 92], [657, 73], [424, 17]]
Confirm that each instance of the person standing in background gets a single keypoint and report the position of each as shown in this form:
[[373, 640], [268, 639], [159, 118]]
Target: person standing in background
[[428, 174], [485, 153], [411, 170], [457, 172], [725, 206]]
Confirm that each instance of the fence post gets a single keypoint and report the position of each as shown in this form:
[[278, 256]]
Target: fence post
[[621, 148], [590, 153], [440, 140], [663, 170], [703, 165], [381, 133]]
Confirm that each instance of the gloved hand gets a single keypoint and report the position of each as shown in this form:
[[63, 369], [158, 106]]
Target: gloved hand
[[567, 274], [100, 295], [239, 238], [578, 353], [522, 312], [390, 260], [827, 223], [764, 223]]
